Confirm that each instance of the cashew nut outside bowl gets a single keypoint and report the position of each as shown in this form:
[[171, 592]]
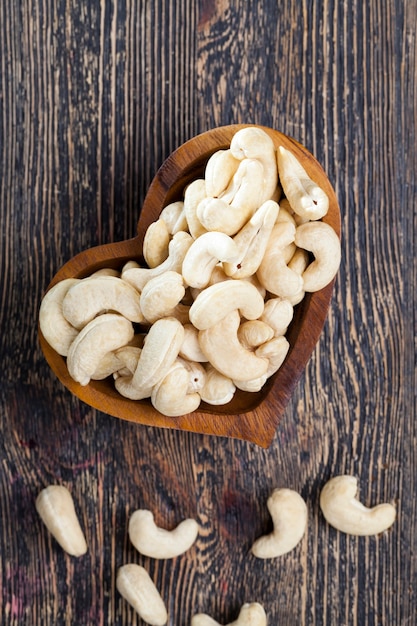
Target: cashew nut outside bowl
[[159, 543], [344, 512], [251, 614], [289, 515], [136, 586]]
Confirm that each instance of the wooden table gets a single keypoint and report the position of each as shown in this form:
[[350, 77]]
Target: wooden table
[[94, 96]]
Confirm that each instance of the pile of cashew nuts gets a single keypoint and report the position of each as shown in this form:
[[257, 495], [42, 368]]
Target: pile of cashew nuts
[[226, 267], [289, 513]]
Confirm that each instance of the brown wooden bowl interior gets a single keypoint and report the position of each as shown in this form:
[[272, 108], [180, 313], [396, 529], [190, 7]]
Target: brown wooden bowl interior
[[250, 416]]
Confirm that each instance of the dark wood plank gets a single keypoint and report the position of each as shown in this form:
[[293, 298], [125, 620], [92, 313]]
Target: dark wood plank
[[93, 97]]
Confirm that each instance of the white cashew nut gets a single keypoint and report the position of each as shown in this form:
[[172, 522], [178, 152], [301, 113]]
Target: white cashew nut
[[161, 295], [220, 169], [174, 217], [289, 515], [159, 543], [171, 395], [216, 301], [136, 586], [56, 329], [273, 272], [218, 389], [155, 243], [251, 614], [204, 254], [55, 507], [103, 334], [344, 512], [320, 239]]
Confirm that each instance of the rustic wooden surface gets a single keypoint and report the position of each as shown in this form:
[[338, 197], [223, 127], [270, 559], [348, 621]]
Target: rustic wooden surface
[[94, 95]]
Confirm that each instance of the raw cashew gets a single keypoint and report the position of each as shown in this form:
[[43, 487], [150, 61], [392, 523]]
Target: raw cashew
[[253, 333], [190, 348], [56, 329], [298, 263], [273, 272], [320, 239], [306, 198], [251, 241], [136, 586], [155, 243], [217, 300], [91, 297], [344, 512], [159, 543], [159, 352], [225, 352], [218, 389], [289, 515], [255, 143], [161, 295], [252, 614], [193, 195], [275, 350], [220, 169], [204, 254], [56, 509], [171, 396], [178, 246], [174, 217], [103, 334], [278, 313]]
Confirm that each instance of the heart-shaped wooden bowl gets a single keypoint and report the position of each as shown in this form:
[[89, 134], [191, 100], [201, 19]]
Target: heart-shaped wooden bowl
[[250, 416]]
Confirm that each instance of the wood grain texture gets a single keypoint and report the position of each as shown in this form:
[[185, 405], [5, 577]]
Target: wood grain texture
[[93, 97]]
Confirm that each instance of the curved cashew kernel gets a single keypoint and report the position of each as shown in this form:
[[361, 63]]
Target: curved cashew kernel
[[178, 246], [255, 143], [298, 263], [320, 239], [159, 352], [56, 329], [55, 507], [136, 586], [161, 294], [159, 543], [190, 348], [278, 313], [220, 169], [204, 254], [216, 301], [225, 352], [235, 207], [253, 385], [103, 334], [174, 217], [306, 198], [289, 515], [275, 350], [155, 243], [193, 195], [345, 513], [171, 396], [273, 272], [253, 333], [196, 375], [252, 240], [252, 614], [218, 389], [94, 296]]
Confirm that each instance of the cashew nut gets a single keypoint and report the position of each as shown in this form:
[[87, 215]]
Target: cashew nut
[[190, 348], [253, 333], [161, 295], [204, 254], [217, 300], [289, 516], [138, 589], [344, 512], [174, 217], [91, 297], [178, 246], [320, 239], [193, 195], [278, 313], [55, 507], [273, 272], [103, 334], [251, 614], [159, 543], [275, 350], [298, 263], [252, 240], [218, 389], [306, 198], [220, 169], [155, 243], [171, 396], [56, 329], [235, 362]]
